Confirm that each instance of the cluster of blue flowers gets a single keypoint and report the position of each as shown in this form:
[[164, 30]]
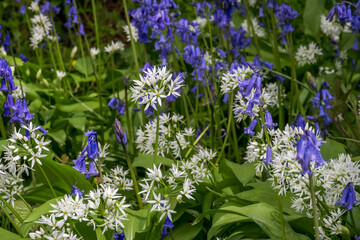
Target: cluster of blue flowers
[[73, 18], [117, 104], [91, 151], [344, 13]]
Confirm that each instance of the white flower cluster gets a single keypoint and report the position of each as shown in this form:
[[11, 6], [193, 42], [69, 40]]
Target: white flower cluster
[[157, 84], [111, 48], [134, 32], [270, 95], [329, 179], [259, 31], [117, 179], [101, 208], [230, 80], [179, 182], [40, 26], [172, 137], [20, 156], [331, 29], [307, 55]]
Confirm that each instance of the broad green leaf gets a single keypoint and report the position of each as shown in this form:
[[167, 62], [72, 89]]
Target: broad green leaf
[[78, 122], [207, 202], [268, 219], [84, 66], [225, 219], [244, 173], [7, 235], [331, 149], [184, 231], [58, 135], [21, 208], [36, 214], [147, 161], [347, 40], [263, 192], [137, 222], [62, 176], [99, 234], [312, 13], [77, 107]]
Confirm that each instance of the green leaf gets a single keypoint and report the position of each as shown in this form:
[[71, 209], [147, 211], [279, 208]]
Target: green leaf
[[263, 192], [59, 136], [7, 235], [36, 214], [62, 176], [207, 202], [244, 173], [78, 122], [185, 231], [147, 161], [312, 13], [99, 234], [137, 222], [84, 66], [267, 217], [347, 40], [77, 107], [225, 219], [331, 149]]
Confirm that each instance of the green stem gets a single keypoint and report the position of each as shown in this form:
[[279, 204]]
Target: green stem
[[157, 134], [353, 222], [133, 177], [47, 180], [12, 209], [313, 202], [230, 118], [128, 120], [294, 86], [11, 220]]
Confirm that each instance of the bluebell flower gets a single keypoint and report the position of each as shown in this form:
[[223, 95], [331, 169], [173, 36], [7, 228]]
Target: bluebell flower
[[42, 130], [81, 30], [119, 235], [8, 105], [92, 171], [261, 12], [285, 14], [307, 148], [117, 104], [348, 198], [192, 55], [238, 40], [23, 58], [167, 224], [7, 78], [6, 43], [75, 191], [22, 9], [21, 113], [250, 128], [91, 148], [268, 121], [119, 132], [268, 155], [80, 164]]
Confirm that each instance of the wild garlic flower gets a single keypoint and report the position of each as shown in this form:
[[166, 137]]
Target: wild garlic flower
[[231, 79], [60, 75], [114, 46], [134, 32], [270, 95], [156, 85], [117, 179], [40, 29], [259, 31], [101, 208], [173, 136], [94, 52], [331, 29], [330, 178], [307, 55]]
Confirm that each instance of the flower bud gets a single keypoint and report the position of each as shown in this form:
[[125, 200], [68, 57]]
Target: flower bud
[[73, 52], [38, 74], [119, 132]]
